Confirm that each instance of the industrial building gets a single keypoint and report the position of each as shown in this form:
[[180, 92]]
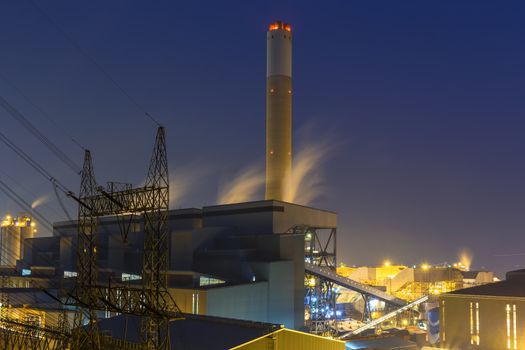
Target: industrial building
[[131, 273], [13, 231], [242, 261], [412, 283], [489, 316]]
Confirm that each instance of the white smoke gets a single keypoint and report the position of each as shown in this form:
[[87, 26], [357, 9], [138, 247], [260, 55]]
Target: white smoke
[[243, 187], [39, 201], [307, 180], [465, 258], [306, 184], [185, 180]]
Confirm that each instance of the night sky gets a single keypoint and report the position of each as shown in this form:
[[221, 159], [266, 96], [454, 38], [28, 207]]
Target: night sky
[[421, 102]]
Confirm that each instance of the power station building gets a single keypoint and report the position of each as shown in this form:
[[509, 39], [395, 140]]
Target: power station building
[[242, 261]]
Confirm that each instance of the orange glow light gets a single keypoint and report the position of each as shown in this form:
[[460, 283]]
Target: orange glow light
[[280, 25]]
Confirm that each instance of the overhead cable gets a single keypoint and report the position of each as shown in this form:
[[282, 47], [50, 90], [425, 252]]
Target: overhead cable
[[90, 58], [19, 117], [41, 111]]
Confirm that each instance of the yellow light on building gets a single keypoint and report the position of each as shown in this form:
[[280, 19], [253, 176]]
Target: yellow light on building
[[387, 263], [311, 282], [425, 266]]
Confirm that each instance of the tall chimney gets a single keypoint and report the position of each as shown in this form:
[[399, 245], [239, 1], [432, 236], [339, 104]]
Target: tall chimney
[[278, 110]]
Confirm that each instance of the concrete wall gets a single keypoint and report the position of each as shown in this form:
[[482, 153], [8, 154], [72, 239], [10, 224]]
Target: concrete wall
[[294, 214], [281, 291], [292, 248], [184, 243], [191, 301], [245, 302], [41, 251], [266, 217], [455, 322]]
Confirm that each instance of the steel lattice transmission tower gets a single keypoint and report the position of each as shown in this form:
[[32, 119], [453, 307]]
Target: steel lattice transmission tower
[[155, 329], [86, 336], [152, 301]]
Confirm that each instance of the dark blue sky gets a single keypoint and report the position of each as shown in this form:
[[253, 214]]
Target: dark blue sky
[[423, 100]]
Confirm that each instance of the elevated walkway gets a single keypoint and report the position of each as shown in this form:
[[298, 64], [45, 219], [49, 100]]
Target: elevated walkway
[[385, 317], [351, 284]]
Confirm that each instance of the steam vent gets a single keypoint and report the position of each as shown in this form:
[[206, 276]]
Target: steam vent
[[278, 110]]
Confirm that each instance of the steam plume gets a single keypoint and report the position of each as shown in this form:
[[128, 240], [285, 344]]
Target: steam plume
[[306, 183], [465, 258], [244, 187], [184, 180], [39, 201]]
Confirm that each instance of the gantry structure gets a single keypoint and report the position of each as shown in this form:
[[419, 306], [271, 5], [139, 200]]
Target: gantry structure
[[149, 300], [152, 300], [322, 282]]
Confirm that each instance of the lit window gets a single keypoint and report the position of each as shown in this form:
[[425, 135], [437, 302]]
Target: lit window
[[443, 326], [471, 325], [195, 303], [70, 274], [130, 277], [508, 326], [209, 281], [511, 330], [474, 331], [477, 323], [514, 326]]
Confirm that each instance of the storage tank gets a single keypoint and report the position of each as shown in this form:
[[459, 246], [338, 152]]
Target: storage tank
[[13, 232]]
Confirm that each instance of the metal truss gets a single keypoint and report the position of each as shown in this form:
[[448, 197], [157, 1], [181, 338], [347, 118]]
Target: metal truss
[[320, 295], [85, 325], [130, 300], [16, 335], [152, 300], [4, 297]]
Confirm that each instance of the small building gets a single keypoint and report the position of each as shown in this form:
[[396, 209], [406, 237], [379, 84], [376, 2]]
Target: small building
[[197, 332], [477, 278], [488, 317]]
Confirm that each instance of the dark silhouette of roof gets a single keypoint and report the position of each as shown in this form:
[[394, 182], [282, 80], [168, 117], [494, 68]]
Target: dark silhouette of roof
[[513, 286], [193, 332]]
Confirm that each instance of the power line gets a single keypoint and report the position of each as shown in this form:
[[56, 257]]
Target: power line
[[24, 205], [34, 164], [41, 110], [28, 191], [37, 134], [90, 58]]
